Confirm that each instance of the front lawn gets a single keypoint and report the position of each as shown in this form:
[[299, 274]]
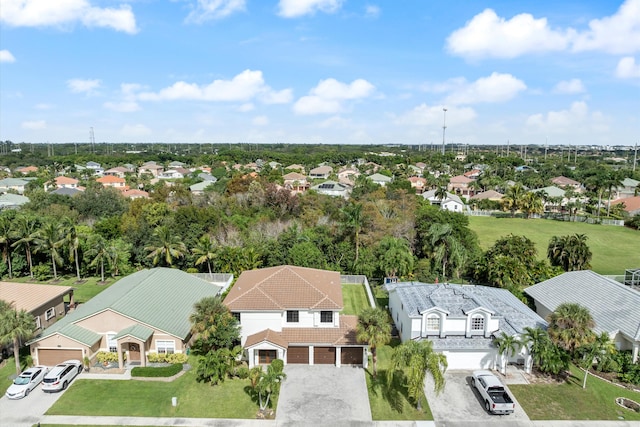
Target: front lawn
[[355, 299], [569, 401], [390, 402], [7, 374], [83, 292], [153, 399]]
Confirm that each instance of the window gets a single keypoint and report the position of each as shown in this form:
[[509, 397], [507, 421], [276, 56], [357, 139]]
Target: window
[[293, 316], [265, 357], [112, 344], [50, 313], [477, 323], [433, 323], [165, 347], [326, 316], [38, 325], [236, 315]]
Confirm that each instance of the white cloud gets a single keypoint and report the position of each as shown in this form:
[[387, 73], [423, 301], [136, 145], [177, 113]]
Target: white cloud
[[495, 88], [335, 122], [627, 68], [371, 11], [135, 130], [246, 107], [425, 115], [43, 106], [207, 10], [296, 8], [260, 121], [570, 86], [243, 87], [281, 97], [329, 96], [489, 35], [61, 13], [34, 124], [87, 86], [577, 116], [6, 56], [122, 107]]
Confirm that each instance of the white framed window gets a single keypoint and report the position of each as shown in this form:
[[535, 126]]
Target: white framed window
[[38, 324], [50, 313], [165, 347], [433, 323], [112, 343], [477, 323], [326, 316]]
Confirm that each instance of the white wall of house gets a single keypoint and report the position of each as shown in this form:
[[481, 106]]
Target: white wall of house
[[254, 322], [452, 206]]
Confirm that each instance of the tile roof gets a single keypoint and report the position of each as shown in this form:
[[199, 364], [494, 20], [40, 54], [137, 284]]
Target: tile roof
[[286, 287], [491, 194], [29, 296], [344, 335], [268, 335], [65, 180], [294, 176], [460, 179], [108, 179], [631, 204], [613, 306], [563, 180]]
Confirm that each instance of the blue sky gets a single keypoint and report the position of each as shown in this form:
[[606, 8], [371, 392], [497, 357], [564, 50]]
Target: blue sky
[[320, 71]]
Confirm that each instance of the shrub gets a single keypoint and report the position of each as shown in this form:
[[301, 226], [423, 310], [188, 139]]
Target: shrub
[[108, 356], [156, 372], [278, 365], [42, 272], [167, 358], [242, 372]]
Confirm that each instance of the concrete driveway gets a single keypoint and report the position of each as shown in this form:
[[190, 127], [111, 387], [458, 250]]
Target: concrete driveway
[[323, 395], [460, 404], [27, 411]]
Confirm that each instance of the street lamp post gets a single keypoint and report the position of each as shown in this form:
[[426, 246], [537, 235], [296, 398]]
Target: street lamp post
[[444, 127]]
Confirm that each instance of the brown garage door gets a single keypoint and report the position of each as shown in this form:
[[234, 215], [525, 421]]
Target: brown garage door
[[298, 355], [324, 355], [51, 357], [351, 355]]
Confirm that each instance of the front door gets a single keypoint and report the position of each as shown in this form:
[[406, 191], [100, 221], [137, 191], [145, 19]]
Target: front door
[[266, 356], [134, 352]]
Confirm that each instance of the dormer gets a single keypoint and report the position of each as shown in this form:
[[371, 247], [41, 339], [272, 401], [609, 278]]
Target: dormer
[[434, 322], [480, 322]]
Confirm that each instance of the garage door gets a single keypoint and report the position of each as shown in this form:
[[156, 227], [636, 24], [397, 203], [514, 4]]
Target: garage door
[[351, 355], [469, 359], [324, 355], [298, 355], [51, 357]]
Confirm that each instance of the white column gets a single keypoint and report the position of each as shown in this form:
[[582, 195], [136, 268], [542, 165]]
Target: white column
[[338, 356], [310, 355], [636, 347]]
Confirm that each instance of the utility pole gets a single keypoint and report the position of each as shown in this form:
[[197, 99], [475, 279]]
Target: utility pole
[[546, 146], [635, 157], [444, 128]]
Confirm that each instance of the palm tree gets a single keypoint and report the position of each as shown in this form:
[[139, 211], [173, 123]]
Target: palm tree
[[570, 326], [50, 239], [440, 194], [569, 252], [512, 199], [601, 347], [396, 257], [6, 236], [213, 325], [25, 232], [536, 339], [206, 249], [15, 327], [99, 250], [354, 221], [415, 358], [373, 328], [531, 203], [447, 249], [167, 246], [269, 384], [507, 345], [72, 239]]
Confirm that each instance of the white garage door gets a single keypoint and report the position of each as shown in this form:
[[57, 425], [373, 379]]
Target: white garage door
[[469, 359]]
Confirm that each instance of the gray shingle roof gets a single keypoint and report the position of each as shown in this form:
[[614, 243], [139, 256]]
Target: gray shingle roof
[[613, 306], [161, 298], [458, 300]]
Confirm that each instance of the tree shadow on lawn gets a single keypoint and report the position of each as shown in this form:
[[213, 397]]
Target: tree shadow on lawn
[[391, 386]]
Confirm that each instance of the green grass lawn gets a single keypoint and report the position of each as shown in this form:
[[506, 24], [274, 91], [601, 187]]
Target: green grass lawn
[[153, 399], [614, 248], [569, 401], [7, 373], [90, 286], [391, 402], [355, 299]]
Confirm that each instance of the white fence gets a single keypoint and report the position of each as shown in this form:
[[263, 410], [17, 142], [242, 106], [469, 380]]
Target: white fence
[[359, 279]]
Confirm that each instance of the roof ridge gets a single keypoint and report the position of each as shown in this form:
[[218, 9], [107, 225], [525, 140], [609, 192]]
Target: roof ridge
[[326, 295]]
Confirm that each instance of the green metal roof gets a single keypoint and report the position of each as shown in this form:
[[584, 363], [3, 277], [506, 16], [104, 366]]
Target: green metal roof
[[137, 331], [160, 298], [80, 334]]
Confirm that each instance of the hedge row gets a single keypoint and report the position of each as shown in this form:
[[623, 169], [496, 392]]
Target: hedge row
[[162, 371]]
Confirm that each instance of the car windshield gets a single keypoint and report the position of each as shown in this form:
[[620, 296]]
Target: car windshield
[[21, 381]]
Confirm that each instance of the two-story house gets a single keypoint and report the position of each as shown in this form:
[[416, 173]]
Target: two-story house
[[293, 313], [461, 321], [114, 182], [296, 182], [321, 172]]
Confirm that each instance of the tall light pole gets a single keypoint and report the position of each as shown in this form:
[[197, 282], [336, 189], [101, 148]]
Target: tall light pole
[[444, 128]]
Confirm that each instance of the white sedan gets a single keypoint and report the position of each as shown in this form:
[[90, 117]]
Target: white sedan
[[25, 382]]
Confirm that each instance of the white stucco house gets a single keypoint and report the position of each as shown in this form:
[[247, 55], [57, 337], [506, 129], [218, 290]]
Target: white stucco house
[[461, 321], [451, 202], [379, 179], [615, 307], [332, 188], [293, 313]]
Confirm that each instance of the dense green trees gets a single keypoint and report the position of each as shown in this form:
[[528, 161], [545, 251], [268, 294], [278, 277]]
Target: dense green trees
[[569, 252], [16, 326]]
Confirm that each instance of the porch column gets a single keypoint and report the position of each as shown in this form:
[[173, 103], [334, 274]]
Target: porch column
[[143, 355], [636, 347], [120, 358], [338, 356], [72, 304], [365, 357]]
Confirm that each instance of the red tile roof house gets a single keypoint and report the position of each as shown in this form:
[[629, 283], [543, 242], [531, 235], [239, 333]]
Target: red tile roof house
[[460, 185], [293, 313]]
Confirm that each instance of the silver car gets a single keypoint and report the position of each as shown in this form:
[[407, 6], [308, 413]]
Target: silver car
[[25, 382], [60, 376]]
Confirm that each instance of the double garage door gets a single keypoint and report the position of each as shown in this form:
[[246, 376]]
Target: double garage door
[[325, 355], [469, 359], [51, 357]]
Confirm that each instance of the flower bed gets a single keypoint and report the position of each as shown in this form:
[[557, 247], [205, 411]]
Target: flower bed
[[628, 404]]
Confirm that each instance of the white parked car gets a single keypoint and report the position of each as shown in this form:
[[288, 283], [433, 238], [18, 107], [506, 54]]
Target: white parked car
[[25, 382], [60, 376]]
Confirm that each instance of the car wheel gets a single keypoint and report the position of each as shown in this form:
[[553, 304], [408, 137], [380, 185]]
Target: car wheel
[[473, 382], [487, 406], [79, 369], [26, 392], [64, 386]]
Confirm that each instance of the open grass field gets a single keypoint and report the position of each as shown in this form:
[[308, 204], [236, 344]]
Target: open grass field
[[389, 401], [153, 399], [614, 248], [569, 401], [84, 291], [355, 299]]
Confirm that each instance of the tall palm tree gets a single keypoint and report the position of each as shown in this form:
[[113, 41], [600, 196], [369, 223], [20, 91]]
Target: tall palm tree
[[537, 340], [268, 385], [396, 257], [167, 246], [601, 347], [415, 358], [50, 239], [373, 328], [6, 237], [25, 232], [15, 327], [99, 251], [531, 203], [570, 326], [206, 249], [512, 199], [507, 345], [354, 221], [569, 252], [72, 240], [447, 249], [440, 194]]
